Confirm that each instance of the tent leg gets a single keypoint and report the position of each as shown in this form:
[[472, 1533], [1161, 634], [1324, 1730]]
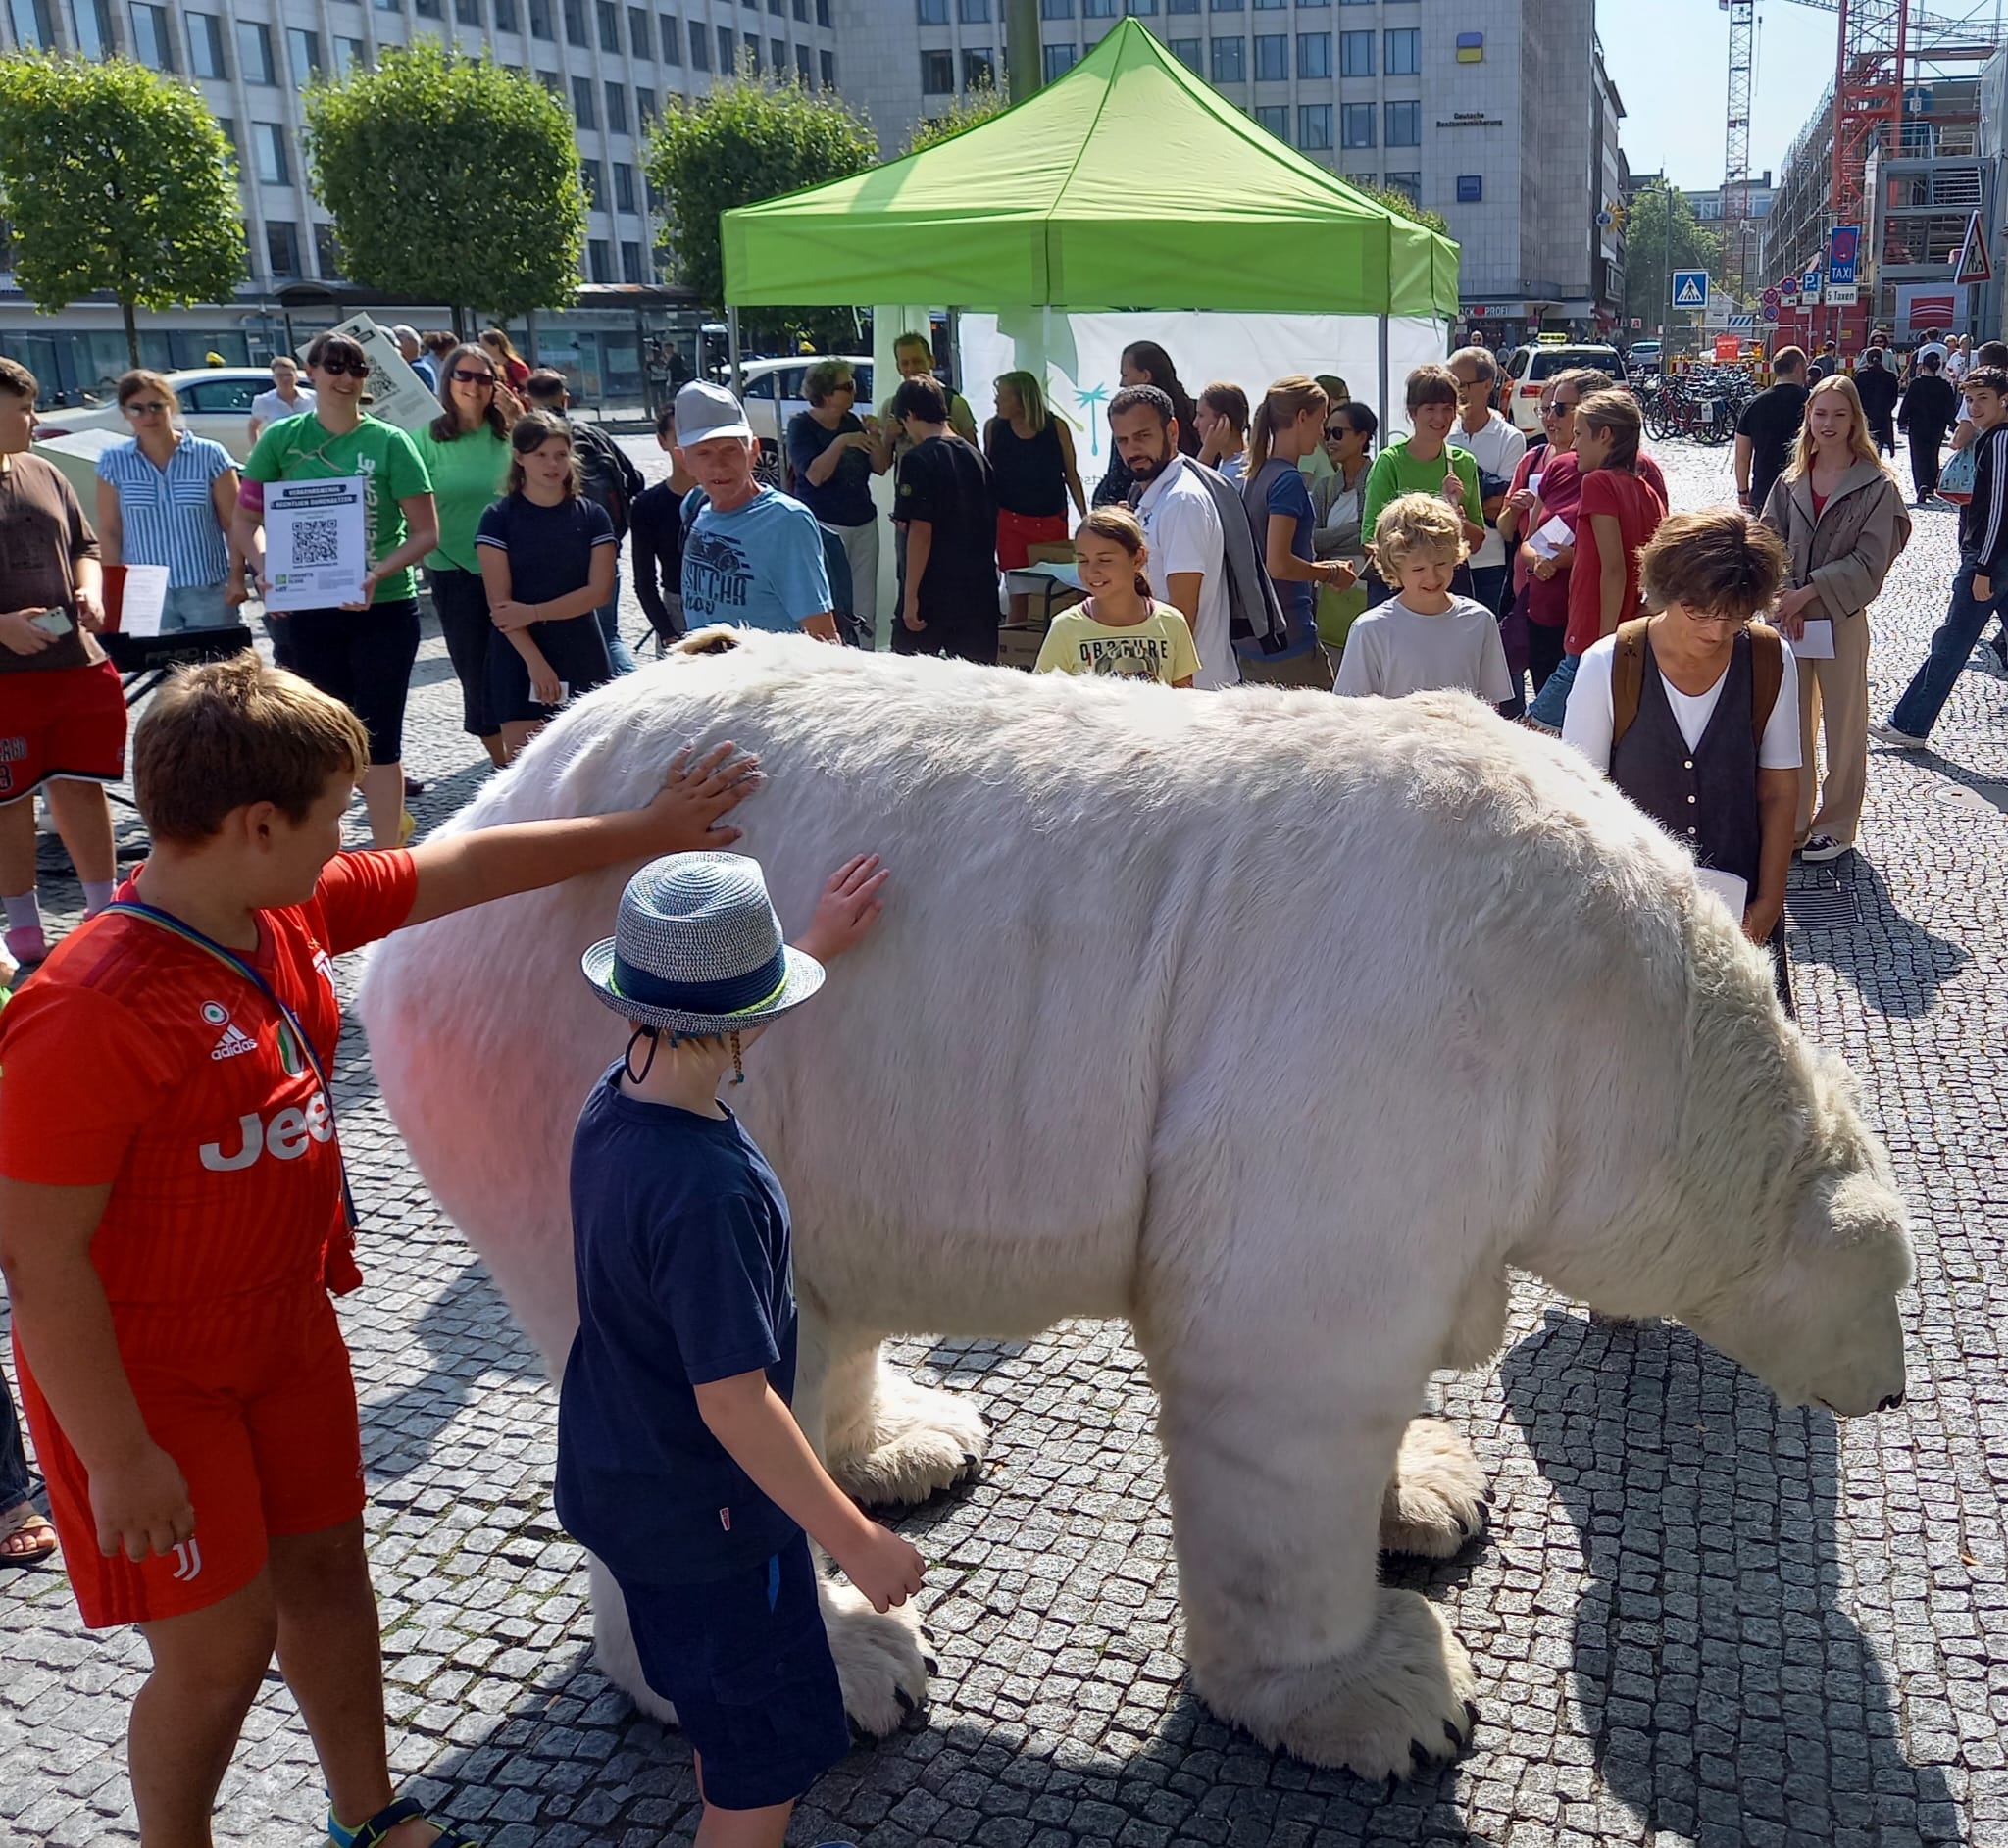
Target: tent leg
[[1386, 405], [733, 349]]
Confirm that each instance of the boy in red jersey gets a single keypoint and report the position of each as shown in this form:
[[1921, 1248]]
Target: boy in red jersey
[[173, 1217]]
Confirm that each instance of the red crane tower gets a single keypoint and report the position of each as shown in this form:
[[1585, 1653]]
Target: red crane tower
[[1868, 97]]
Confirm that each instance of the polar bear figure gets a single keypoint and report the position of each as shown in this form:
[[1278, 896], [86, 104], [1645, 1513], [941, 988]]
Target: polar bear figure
[[1277, 1024]]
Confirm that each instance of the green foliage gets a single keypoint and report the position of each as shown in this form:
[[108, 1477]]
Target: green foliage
[[118, 180], [744, 142], [1403, 207], [978, 105], [1649, 235], [451, 180]]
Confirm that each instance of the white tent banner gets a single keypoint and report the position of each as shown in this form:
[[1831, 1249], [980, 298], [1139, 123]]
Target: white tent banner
[[1080, 356]]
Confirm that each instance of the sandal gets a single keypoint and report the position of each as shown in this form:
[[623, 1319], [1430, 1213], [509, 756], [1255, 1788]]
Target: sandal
[[405, 1809], [25, 1537]]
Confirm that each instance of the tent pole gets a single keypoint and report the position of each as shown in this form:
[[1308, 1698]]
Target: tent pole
[[733, 349], [1385, 407]]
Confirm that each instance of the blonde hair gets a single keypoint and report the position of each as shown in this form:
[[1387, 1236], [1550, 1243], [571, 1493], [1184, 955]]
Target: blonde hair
[[1861, 446], [1281, 404], [231, 733], [1031, 395], [1120, 525], [1413, 523], [1614, 412]]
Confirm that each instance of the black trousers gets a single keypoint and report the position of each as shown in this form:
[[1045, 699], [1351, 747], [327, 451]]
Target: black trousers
[[1544, 650], [462, 601], [1924, 460]]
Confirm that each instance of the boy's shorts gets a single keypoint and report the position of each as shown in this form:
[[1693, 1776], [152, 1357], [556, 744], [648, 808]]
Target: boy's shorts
[[747, 1662], [70, 724], [259, 1414]]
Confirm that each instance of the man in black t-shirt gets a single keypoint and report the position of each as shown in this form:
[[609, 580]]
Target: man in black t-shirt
[[1930, 407], [945, 501], [1768, 427]]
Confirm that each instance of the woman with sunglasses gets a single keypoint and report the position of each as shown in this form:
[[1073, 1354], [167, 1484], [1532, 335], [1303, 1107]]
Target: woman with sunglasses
[[465, 452], [1337, 499], [833, 455], [168, 498], [361, 652]]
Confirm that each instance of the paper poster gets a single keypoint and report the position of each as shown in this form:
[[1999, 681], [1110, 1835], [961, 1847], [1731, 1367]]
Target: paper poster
[[315, 543], [142, 598], [1728, 887], [1549, 540], [1817, 643], [398, 395]]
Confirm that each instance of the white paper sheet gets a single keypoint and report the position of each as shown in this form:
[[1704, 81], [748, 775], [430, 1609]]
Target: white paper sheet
[[1727, 886], [316, 545], [1533, 481], [1550, 538], [1817, 643], [142, 599], [397, 394]]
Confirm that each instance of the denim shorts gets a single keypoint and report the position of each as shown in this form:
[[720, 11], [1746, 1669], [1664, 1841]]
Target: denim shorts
[[747, 1662], [1551, 702]]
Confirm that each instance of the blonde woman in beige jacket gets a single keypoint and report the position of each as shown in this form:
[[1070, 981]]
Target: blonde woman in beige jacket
[[1842, 516]]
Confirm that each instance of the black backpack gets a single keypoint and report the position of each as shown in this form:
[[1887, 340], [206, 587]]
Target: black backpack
[[605, 474]]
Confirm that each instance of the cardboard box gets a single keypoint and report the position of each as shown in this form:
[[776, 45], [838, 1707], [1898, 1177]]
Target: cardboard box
[[1019, 645]]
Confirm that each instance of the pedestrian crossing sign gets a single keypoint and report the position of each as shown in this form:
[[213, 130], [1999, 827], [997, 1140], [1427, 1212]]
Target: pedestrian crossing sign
[[1690, 289]]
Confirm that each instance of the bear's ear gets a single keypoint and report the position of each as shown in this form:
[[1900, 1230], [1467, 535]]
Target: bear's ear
[[719, 638]]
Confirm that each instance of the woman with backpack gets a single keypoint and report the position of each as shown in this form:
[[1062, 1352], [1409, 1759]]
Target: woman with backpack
[[1840, 514], [1287, 426]]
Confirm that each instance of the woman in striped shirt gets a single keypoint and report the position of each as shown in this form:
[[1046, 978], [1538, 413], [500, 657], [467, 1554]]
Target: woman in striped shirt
[[166, 498]]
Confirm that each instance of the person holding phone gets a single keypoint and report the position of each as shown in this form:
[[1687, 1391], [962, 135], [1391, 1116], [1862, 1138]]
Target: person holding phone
[[547, 560]]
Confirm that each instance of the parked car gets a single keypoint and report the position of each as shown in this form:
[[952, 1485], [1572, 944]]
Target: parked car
[[1644, 355], [216, 402], [1532, 367], [772, 392]]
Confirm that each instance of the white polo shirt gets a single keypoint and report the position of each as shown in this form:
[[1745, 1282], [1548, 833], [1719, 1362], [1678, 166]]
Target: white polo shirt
[[1181, 528], [1497, 450]]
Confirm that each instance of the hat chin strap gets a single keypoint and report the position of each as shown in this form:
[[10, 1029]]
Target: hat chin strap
[[650, 1035]]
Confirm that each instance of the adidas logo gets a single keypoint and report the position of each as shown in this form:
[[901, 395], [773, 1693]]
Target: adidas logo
[[234, 1042]]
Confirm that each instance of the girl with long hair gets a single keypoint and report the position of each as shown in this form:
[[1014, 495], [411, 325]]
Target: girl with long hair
[[1287, 426], [1840, 514], [1032, 472], [1145, 363], [1122, 631], [1223, 419], [515, 367]]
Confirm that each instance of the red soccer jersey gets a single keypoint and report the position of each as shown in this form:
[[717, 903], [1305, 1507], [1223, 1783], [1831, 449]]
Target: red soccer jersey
[[139, 1058]]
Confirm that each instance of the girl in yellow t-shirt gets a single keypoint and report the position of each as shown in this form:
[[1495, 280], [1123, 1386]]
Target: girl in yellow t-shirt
[[1119, 631]]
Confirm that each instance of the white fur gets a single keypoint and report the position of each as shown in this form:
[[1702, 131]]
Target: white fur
[[1277, 1024]]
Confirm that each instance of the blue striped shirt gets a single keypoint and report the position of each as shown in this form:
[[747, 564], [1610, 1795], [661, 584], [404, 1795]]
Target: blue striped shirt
[[169, 516]]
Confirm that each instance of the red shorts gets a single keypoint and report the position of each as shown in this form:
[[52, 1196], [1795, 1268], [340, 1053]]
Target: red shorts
[[1017, 532], [262, 1421], [70, 722]]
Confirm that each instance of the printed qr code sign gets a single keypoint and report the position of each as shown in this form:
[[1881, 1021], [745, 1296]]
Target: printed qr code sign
[[316, 542]]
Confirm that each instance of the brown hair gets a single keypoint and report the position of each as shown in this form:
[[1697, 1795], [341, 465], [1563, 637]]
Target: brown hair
[[1228, 401], [1615, 412], [445, 428], [531, 431], [228, 733], [132, 383], [1789, 359], [1720, 562], [332, 345], [1430, 384], [495, 338], [1282, 404], [18, 380], [1412, 523], [1122, 526]]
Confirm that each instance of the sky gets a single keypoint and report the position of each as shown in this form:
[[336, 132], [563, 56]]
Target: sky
[[1670, 60]]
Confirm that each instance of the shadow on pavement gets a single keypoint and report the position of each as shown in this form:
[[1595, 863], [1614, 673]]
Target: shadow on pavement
[[1727, 1694], [1843, 915]]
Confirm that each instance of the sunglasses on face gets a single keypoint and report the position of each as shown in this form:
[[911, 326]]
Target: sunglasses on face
[[150, 408], [1335, 431], [462, 376], [340, 365]]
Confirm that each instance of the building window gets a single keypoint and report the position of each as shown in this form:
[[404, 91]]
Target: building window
[[973, 12], [303, 53], [33, 26], [1272, 58], [753, 53], [1404, 51], [616, 107], [1404, 125], [326, 259], [801, 11], [1055, 60], [640, 33], [600, 260], [574, 22], [644, 108], [1190, 53], [268, 145], [672, 38], [1471, 188], [582, 103], [540, 25], [1276, 118], [1410, 183], [1356, 54], [937, 73], [825, 61], [932, 12], [507, 18], [1181, 6], [1229, 60], [1313, 126], [595, 178], [1224, 6], [609, 19], [822, 13], [206, 46], [468, 13], [282, 246], [1314, 56], [351, 54], [1356, 124], [777, 56], [426, 9], [700, 45], [1100, 9], [254, 52], [624, 186], [1266, 5], [632, 267], [151, 45], [229, 125], [552, 83], [93, 22], [727, 57], [1056, 9], [389, 6], [805, 72], [978, 68]]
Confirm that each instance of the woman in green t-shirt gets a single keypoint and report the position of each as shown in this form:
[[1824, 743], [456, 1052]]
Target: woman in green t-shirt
[[361, 652], [465, 452]]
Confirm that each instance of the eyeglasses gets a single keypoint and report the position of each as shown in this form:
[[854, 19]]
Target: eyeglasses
[[1333, 431], [1559, 405], [462, 376], [846, 386], [339, 364], [152, 407]]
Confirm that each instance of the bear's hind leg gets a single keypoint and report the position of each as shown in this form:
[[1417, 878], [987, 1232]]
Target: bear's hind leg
[[1435, 1499]]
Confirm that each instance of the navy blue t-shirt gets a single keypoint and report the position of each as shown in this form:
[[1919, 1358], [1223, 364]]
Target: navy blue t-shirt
[[680, 1236], [845, 499], [550, 548]]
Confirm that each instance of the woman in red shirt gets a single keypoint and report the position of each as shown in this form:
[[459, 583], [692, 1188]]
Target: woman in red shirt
[[1618, 513]]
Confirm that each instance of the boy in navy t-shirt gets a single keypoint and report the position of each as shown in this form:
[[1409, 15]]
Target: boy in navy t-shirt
[[678, 1462]]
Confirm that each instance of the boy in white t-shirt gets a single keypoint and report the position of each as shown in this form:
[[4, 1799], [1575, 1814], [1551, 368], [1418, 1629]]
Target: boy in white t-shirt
[[1121, 631], [1427, 638]]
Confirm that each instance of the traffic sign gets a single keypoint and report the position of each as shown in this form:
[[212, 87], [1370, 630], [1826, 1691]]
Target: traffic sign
[[1973, 265], [1773, 301], [1742, 324], [1809, 285], [1843, 245], [1843, 294], [1916, 100], [1690, 289], [1770, 316]]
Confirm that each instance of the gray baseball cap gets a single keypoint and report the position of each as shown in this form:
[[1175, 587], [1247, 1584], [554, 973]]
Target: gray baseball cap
[[705, 410]]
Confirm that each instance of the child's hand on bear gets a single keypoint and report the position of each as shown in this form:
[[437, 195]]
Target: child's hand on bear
[[848, 910]]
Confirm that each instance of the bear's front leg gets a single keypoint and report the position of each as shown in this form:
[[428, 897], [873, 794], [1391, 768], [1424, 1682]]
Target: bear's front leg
[[1435, 1500], [888, 1441]]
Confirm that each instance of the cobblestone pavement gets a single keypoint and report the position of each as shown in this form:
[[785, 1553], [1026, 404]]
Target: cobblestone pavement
[[1697, 1619]]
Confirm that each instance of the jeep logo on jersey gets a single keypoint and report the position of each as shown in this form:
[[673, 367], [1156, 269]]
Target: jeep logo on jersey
[[284, 1138]]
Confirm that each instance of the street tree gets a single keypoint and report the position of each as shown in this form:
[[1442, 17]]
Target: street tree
[[451, 179], [744, 141], [115, 179], [1402, 206], [972, 108], [1662, 234]]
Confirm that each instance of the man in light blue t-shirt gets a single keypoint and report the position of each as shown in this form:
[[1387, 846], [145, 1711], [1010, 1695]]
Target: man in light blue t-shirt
[[754, 557]]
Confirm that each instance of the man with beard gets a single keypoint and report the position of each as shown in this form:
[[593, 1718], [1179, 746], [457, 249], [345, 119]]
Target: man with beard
[[1186, 566]]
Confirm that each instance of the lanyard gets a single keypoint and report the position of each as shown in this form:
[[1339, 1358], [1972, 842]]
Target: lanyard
[[297, 1050]]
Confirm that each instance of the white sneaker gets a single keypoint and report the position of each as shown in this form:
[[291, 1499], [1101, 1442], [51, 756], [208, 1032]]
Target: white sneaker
[[1825, 847], [1899, 740]]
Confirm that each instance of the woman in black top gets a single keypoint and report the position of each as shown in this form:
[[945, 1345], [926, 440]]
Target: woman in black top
[[1145, 363], [1032, 475]]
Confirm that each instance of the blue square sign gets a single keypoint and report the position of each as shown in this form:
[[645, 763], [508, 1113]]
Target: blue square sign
[[1690, 289]]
